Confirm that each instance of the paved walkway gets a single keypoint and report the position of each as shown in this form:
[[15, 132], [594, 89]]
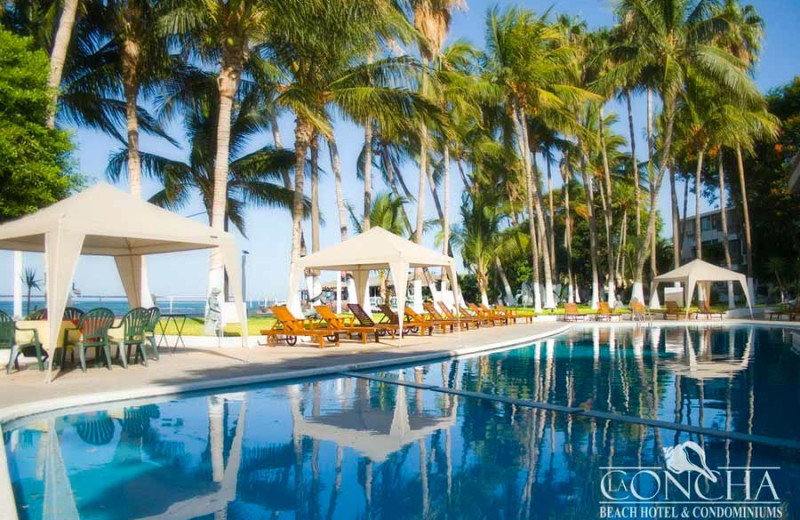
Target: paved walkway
[[24, 392]]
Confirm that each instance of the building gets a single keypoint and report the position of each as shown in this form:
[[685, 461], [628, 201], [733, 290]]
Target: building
[[712, 237]]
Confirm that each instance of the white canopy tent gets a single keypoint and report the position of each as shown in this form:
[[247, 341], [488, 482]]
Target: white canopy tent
[[698, 272], [106, 221], [373, 250]]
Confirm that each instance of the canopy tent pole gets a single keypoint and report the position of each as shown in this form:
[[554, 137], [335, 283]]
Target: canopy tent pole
[[62, 249], [399, 271], [231, 263]]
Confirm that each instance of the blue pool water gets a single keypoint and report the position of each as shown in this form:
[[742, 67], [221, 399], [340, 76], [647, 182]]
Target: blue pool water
[[350, 447]]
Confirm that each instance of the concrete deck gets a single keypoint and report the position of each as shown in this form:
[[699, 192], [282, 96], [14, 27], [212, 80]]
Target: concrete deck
[[199, 368]]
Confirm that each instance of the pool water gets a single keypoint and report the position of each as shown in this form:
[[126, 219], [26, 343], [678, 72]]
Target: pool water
[[350, 447]]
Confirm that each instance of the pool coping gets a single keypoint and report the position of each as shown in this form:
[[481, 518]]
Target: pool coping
[[8, 509]]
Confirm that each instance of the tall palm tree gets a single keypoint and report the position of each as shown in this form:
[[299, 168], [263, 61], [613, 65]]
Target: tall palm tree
[[222, 33], [31, 282], [254, 178], [58, 55], [670, 39], [477, 236]]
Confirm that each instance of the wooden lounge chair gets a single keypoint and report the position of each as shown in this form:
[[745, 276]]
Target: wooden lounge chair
[[288, 328], [604, 312], [638, 311], [672, 310], [344, 326], [706, 311], [791, 313], [499, 313], [515, 315], [365, 320], [430, 308], [467, 320], [390, 318], [488, 313], [481, 318], [420, 320], [571, 312]]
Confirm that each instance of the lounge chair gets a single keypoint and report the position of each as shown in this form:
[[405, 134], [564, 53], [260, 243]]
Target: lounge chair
[[133, 326], [791, 313], [672, 310], [467, 320], [571, 312], [430, 308], [499, 313], [365, 320], [638, 311], [706, 311], [421, 320], [514, 315], [8, 340], [490, 314], [288, 328], [390, 318], [345, 327], [604, 312], [93, 333]]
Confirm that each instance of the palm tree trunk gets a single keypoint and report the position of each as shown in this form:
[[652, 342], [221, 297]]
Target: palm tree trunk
[[676, 224], [587, 186], [551, 233], [314, 146], [746, 211], [336, 166], [636, 187], [509, 293], [522, 143], [698, 228], [130, 78], [367, 174], [655, 187], [58, 56], [568, 232], [302, 133], [446, 219], [609, 211], [651, 146], [723, 206], [423, 173], [227, 82]]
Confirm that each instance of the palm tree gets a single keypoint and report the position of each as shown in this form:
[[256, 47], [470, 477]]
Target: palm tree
[[529, 62], [477, 236], [58, 55], [31, 282], [224, 32], [254, 179], [671, 38]]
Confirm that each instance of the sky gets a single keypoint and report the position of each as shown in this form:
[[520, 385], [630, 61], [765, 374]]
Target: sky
[[269, 231]]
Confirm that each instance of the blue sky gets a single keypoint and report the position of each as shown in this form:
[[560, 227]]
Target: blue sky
[[269, 236]]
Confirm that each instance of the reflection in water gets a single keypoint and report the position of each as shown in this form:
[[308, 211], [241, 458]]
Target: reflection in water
[[356, 448]]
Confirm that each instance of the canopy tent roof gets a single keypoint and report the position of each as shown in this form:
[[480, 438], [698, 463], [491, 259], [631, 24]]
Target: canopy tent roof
[[115, 223], [371, 250], [104, 220], [697, 272]]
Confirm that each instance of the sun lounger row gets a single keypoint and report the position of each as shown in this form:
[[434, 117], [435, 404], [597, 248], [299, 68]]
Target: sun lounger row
[[330, 328], [639, 312]]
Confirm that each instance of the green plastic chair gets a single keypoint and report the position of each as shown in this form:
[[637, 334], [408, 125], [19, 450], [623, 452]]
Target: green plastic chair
[[37, 315], [94, 326], [72, 313], [150, 329], [133, 327], [8, 340]]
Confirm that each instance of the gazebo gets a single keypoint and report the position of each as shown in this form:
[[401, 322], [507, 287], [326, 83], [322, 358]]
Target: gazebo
[[373, 250], [106, 221], [698, 272]]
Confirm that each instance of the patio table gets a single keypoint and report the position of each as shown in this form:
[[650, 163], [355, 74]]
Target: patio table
[[41, 327], [178, 327]]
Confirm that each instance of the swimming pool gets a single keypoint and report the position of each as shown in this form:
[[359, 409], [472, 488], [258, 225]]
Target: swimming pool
[[454, 439]]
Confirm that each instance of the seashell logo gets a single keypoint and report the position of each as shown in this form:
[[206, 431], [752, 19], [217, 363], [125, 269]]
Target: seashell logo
[[676, 459]]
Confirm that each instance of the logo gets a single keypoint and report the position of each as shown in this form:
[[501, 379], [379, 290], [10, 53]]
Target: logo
[[686, 487]]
